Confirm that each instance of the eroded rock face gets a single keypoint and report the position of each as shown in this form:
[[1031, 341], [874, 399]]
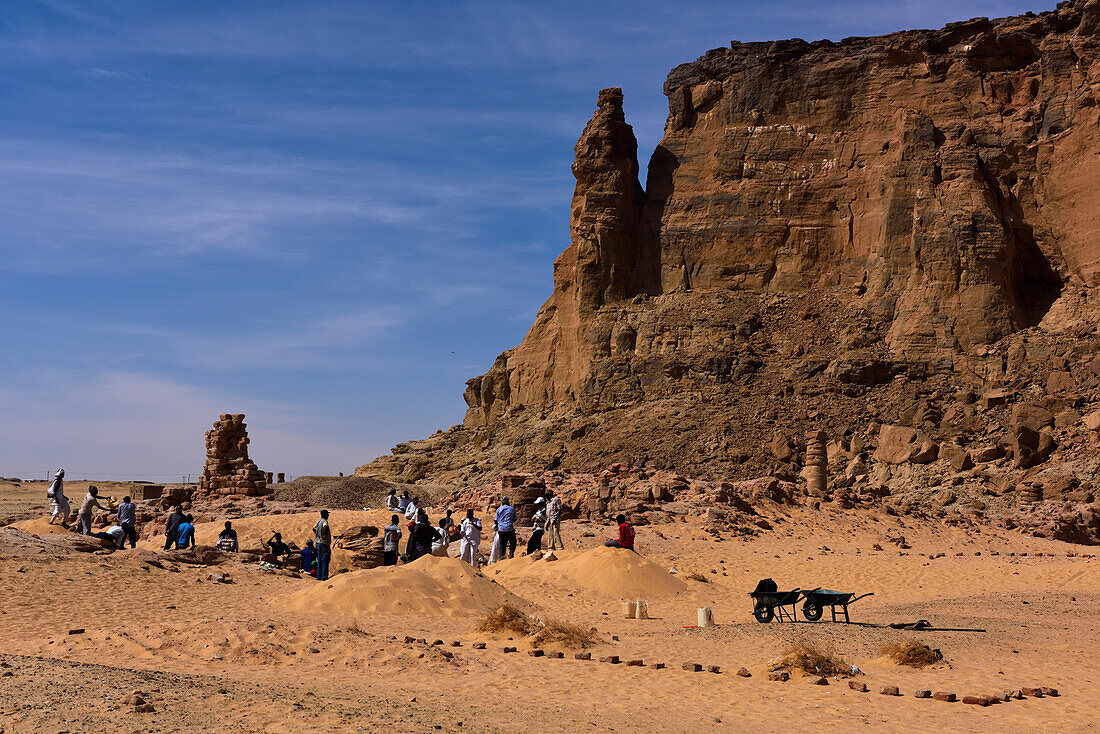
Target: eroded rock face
[[861, 221]]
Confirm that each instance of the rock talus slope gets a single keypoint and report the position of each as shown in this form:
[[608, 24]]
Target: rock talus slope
[[831, 234]]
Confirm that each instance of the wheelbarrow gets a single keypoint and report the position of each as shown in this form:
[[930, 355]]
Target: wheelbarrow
[[769, 602], [817, 599]]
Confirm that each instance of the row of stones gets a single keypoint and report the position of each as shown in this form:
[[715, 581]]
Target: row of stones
[[779, 675], [980, 700]]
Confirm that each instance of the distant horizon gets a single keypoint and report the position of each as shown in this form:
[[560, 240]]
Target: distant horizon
[[326, 217]]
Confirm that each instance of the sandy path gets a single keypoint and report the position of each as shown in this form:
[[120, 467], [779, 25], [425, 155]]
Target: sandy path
[[245, 637]]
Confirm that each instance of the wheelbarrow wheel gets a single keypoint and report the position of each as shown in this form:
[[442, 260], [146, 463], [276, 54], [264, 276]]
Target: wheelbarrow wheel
[[812, 612], [763, 614]]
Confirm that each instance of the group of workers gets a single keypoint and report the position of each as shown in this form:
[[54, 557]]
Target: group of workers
[[423, 537]]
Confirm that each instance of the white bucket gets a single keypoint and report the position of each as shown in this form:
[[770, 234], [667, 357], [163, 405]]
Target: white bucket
[[706, 618], [630, 609], [642, 610]]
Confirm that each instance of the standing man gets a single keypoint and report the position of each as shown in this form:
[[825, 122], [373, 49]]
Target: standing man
[[471, 538], [84, 517], [553, 521], [322, 538], [172, 527], [391, 538], [126, 512], [537, 527], [59, 503], [506, 528]]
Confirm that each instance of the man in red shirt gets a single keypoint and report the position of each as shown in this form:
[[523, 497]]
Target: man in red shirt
[[626, 535]]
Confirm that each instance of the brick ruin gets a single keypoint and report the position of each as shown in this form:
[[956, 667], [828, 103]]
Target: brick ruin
[[228, 469]]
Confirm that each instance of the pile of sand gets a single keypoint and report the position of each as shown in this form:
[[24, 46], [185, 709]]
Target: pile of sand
[[432, 586], [40, 526], [608, 572]]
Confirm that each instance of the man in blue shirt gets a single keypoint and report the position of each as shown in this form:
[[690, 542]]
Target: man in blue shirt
[[126, 512], [185, 534], [506, 528]]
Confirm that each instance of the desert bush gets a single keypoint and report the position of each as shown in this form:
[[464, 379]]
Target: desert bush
[[696, 576], [507, 618], [810, 659], [564, 634], [913, 653]]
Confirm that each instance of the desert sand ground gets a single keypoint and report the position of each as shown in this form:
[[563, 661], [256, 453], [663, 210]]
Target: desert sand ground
[[272, 653]]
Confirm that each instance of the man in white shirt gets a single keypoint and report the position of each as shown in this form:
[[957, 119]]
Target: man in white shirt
[[471, 538], [412, 510], [553, 521], [391, 537]]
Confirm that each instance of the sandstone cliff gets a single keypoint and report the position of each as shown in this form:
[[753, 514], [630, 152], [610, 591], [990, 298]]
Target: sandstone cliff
[[832, 235]]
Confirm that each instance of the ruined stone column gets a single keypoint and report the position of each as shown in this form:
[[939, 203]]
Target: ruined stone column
[[228, 469], [815, 471]]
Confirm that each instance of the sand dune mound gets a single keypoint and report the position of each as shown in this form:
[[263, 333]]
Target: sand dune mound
[[39, 526], [606, 571], [441, 587]]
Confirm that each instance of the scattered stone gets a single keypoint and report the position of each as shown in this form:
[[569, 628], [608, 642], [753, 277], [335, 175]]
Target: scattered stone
[[923, 693], [510, 649], [1053, 692], [613, 659], [478, 645], [942, 696], [692, 667], [779, 675], [659, 666], [456, 643], [857, 685], [555, 655], [1033, 692], [819, 680], [78, 631], [744, 673], [890, 691], [536, 653], [145, 708], [977, 700], [1011, 693], [713, 669], [634, 664], [582, 656], [437, 642]]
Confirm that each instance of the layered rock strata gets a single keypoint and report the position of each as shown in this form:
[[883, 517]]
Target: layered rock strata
[[832, 236]]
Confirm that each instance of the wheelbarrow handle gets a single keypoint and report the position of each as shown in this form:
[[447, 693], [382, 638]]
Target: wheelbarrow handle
[[869, 593]]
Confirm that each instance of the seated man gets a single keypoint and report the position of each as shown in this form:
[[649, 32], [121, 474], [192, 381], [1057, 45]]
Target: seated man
[[185, 534], [309, 558], [626, 535], [227, 539], [277, 548]]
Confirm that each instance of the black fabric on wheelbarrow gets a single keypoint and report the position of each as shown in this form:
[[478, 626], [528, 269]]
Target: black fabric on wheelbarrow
[[766, 585]]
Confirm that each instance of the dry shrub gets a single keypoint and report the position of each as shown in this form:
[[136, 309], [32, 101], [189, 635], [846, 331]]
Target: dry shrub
[[564, 634], [507, 618], [696, 576], [913, 653], [810, 659]]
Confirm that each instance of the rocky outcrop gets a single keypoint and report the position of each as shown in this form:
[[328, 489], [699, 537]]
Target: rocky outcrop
[[833, 236]]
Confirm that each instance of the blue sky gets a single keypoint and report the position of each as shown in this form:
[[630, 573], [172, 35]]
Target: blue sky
[[326, 215]]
